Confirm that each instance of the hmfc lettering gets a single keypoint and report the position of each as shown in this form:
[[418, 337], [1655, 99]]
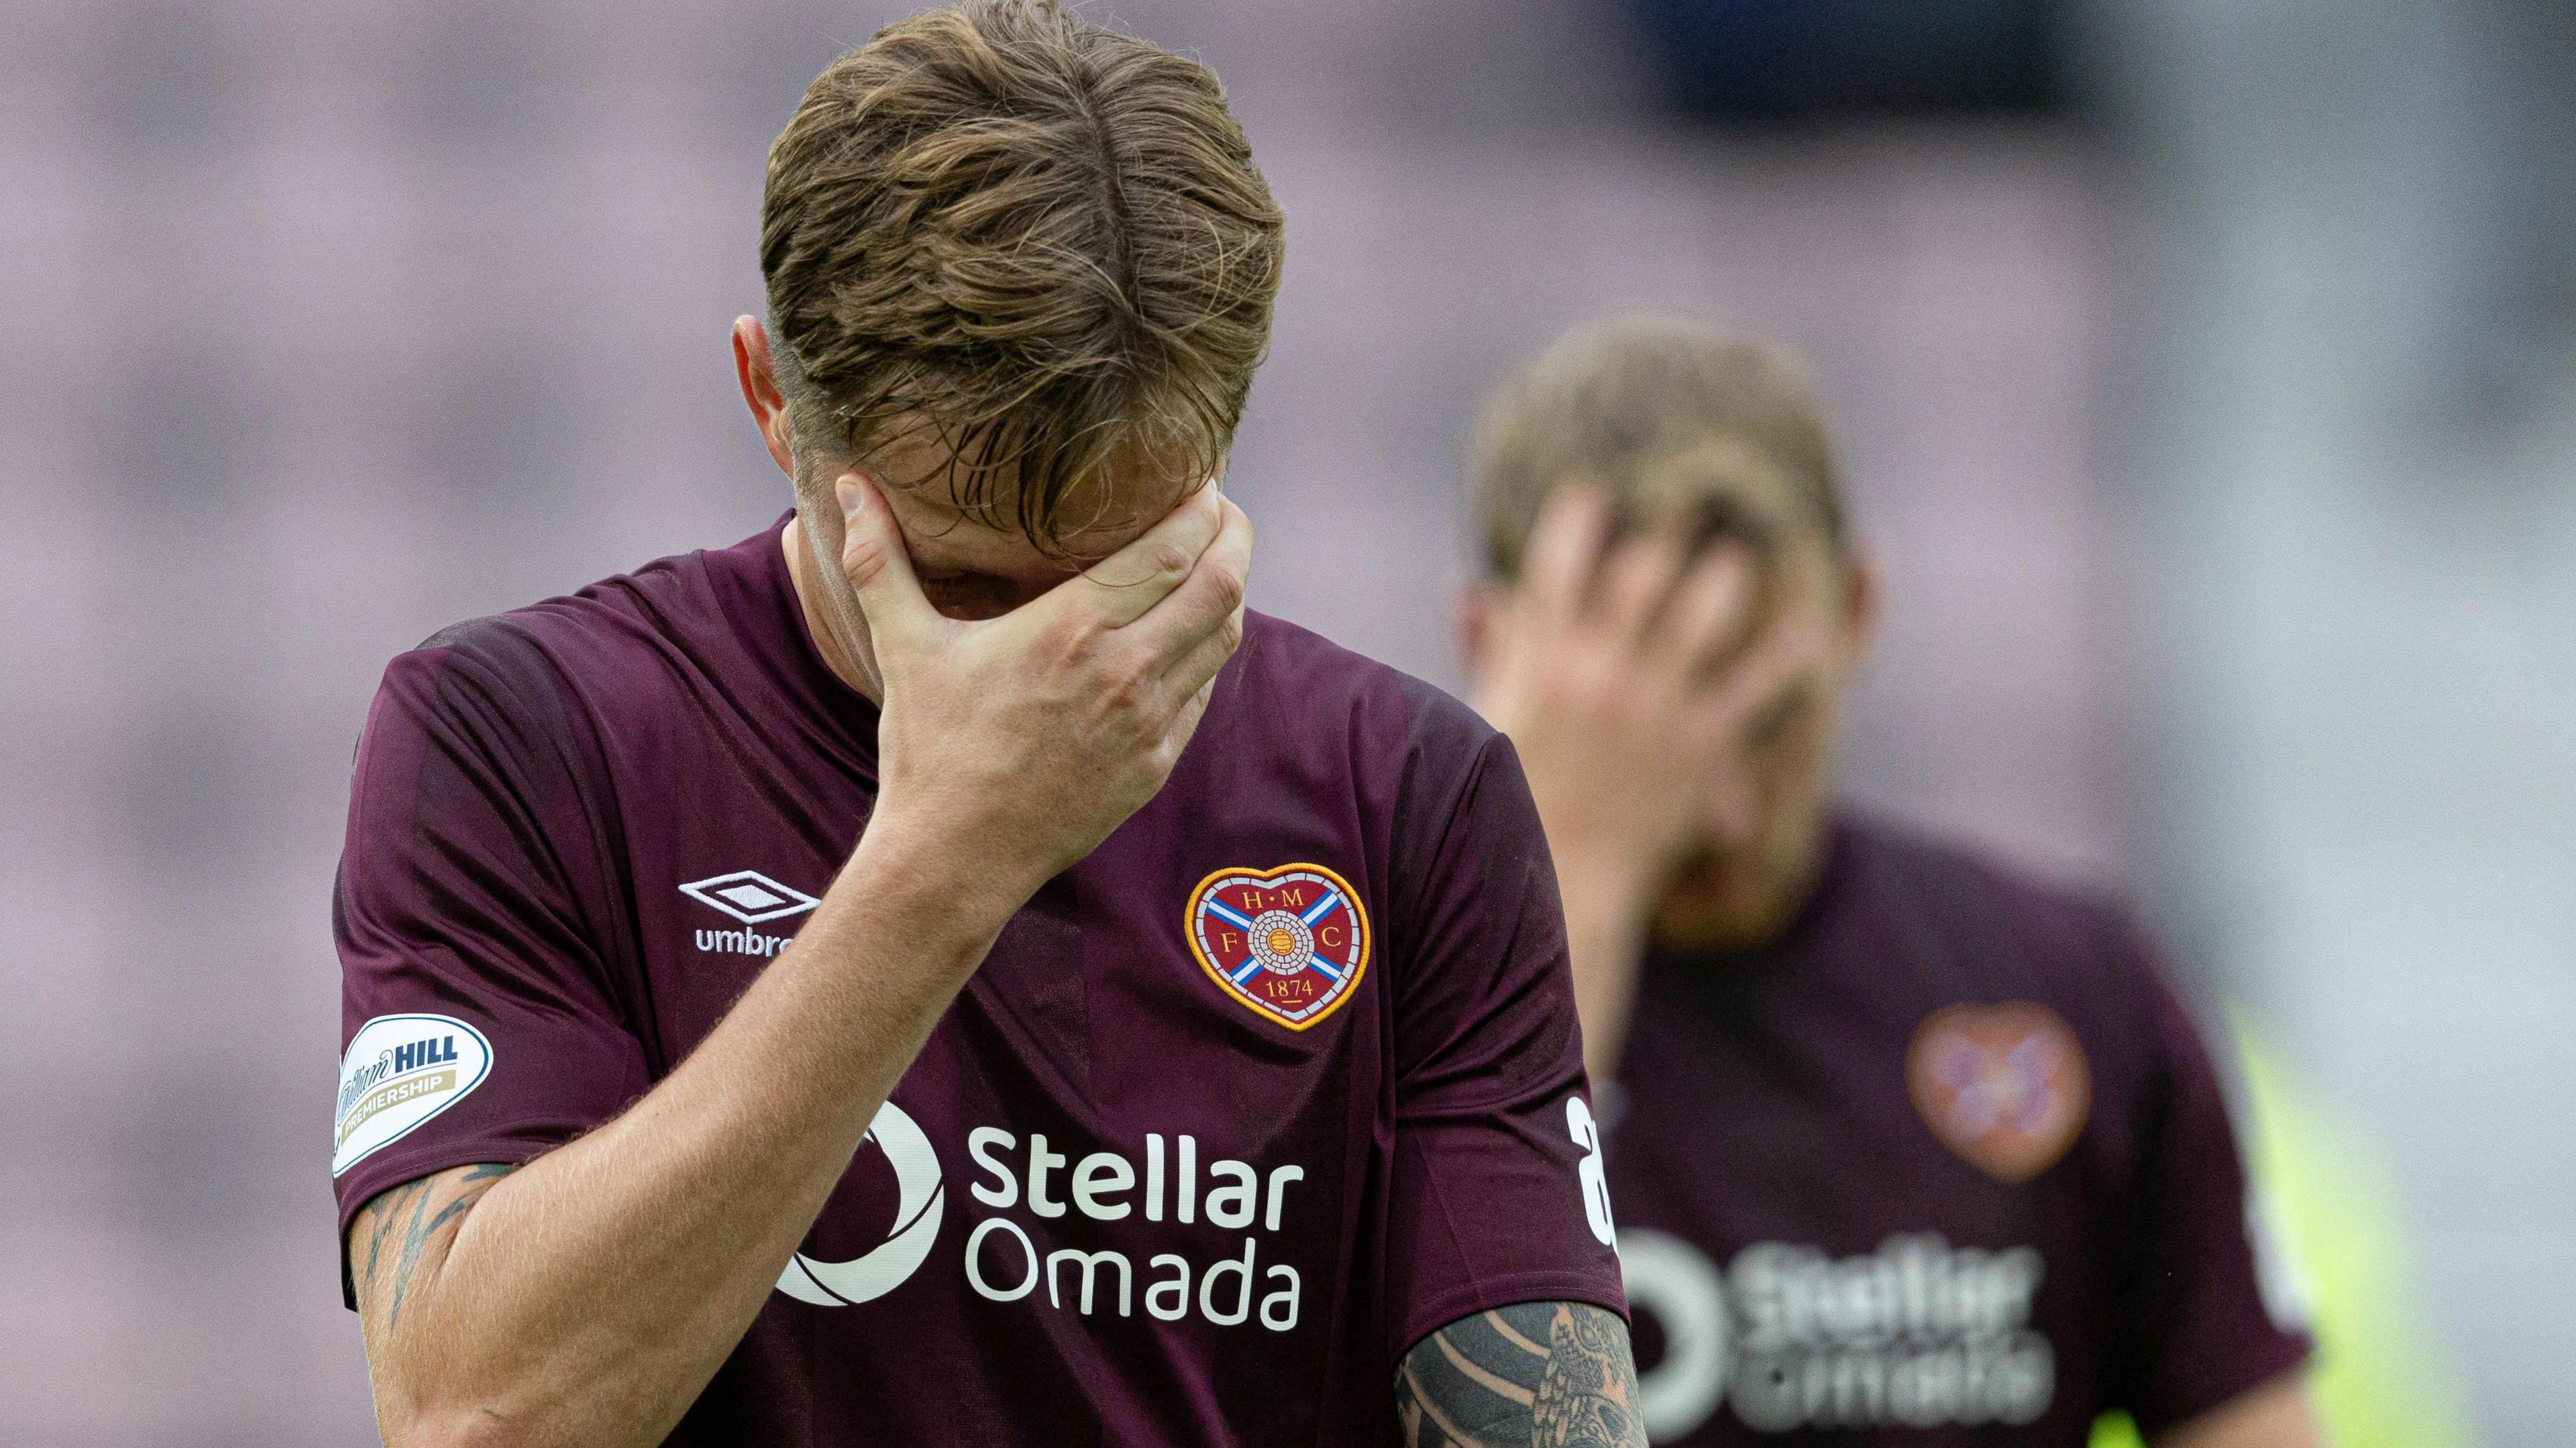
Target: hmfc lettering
[[1332, 935]]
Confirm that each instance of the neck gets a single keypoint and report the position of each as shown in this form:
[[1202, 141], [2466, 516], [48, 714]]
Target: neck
[[806, 573]]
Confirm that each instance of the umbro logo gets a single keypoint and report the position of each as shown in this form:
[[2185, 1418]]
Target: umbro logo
[[750, 896]]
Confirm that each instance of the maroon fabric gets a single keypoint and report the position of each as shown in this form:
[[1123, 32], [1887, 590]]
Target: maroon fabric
[[534, 789], [1878, 1287]]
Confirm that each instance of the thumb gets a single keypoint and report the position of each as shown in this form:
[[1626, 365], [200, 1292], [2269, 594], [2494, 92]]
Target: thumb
[[877, 564]]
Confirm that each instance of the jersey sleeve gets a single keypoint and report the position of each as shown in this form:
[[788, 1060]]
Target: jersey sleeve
[[2210, 1314], [478, 1020], [1497, 1194]]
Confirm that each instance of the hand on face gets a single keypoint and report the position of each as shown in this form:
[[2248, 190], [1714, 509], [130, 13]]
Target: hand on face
[[1026, 738], [1637, 706]]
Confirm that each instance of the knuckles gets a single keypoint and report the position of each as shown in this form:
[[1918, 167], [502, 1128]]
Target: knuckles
[[1126, 687], [1229, 585], [1166, 561], [862, 559], [1070, 640]]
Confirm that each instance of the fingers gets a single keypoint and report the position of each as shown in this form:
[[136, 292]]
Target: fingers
[[1636, 582], [1193, 675], [1205, 601], [1781, 660], [1572, 548], [1121, 587], [1185, 723], [1186, 639], [1709, 609], [878, 566], [1564, 548]]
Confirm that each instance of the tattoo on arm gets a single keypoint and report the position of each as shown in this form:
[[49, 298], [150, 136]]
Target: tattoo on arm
[[1546, 1374], [399, 1225]]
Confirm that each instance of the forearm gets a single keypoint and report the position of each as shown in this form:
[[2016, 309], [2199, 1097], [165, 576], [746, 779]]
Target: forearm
[[588, 1297], [1605, 933], [2279, 1414], [1556, 1373]]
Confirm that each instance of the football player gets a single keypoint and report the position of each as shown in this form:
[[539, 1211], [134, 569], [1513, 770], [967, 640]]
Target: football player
[[1913, 1151], [938, 970]]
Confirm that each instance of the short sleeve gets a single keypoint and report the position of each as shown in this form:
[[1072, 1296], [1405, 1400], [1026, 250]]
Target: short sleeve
[[2202, 1329], [1498, 1195], [478, 1021]]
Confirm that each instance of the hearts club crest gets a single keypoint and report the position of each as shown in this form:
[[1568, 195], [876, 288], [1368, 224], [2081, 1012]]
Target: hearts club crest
[[1290, 943], [2005, 1086]]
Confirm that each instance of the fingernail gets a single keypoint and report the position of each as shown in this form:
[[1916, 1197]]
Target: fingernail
[[847, 490]]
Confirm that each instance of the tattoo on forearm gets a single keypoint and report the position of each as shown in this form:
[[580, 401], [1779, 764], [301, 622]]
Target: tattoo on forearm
[[1546, 1374], [409, 1205], [381, 1215]]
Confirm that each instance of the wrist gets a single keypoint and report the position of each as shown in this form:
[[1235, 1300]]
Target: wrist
[[1607, 934], [930, 884], [1604, 892]]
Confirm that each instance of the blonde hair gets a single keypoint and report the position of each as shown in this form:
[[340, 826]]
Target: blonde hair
[[1642, 406], [1042, 243]]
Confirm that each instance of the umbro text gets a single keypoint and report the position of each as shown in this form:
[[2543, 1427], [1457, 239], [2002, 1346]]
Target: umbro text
[[741, 942]]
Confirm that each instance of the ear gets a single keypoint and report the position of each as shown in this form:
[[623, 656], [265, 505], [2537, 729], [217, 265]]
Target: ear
[[759, 377], [1479, 606], [1862, 585]]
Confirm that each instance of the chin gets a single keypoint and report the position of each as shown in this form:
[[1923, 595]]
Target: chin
[[1704, 904], [1725, 902]]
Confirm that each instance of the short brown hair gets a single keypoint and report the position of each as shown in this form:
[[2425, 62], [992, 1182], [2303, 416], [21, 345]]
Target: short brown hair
[[1044, 240], [1625, 403]]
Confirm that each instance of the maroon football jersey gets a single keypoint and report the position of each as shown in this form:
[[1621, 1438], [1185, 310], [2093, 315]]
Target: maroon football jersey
[[1281, 1079], [1948, 1166]]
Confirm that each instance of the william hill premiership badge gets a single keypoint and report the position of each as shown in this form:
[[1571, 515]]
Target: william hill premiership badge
[[1289, 942]]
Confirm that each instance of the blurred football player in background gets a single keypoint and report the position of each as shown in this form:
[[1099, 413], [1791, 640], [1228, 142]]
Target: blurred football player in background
[[1905, 1145]]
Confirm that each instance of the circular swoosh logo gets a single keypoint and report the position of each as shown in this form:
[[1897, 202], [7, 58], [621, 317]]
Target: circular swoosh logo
[[883, 1268]]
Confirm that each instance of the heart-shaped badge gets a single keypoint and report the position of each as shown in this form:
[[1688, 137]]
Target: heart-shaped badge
[[1289, 942], [2005, 1086]]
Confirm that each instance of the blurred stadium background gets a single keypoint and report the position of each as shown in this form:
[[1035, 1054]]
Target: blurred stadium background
[[2203, 367]]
